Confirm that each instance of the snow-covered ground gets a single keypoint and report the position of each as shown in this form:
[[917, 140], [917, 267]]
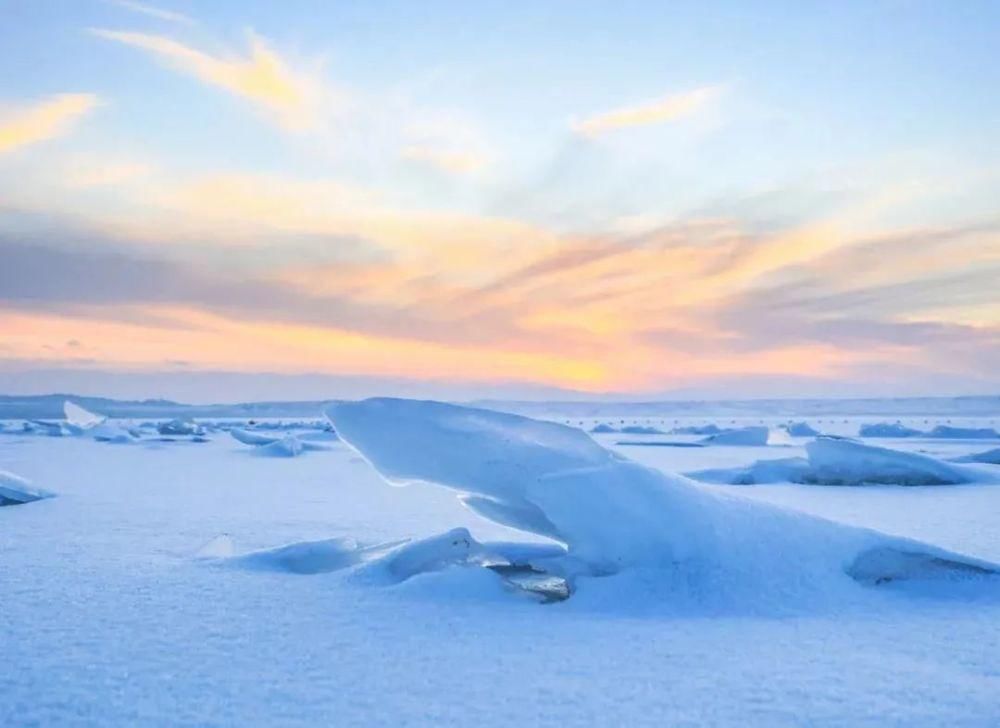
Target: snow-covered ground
[[121, 606]]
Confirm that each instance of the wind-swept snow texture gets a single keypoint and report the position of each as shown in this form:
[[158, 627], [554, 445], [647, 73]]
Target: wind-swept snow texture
[[15, 490], [615, 515]]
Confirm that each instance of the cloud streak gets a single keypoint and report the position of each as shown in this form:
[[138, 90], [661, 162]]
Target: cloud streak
[[291, 97], [661, 111], [153, 12], [44, 120]]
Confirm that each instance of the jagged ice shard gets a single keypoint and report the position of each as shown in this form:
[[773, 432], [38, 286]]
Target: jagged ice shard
[[613, 515]]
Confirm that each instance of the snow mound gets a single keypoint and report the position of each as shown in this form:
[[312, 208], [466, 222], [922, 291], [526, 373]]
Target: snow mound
[[285, 447], [80, 417], [801, 429], [886, 429], [603, 429], [15, 490], [991, 457], [614, 515], [748, 436], [963, 433], [838, 461], [108, 432], [697, 430], [640, 430], [312, 557]]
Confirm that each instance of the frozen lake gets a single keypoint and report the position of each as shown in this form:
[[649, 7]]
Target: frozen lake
[[113, 616]]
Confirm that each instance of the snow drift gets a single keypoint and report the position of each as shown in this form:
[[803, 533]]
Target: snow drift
[[615, 516], [992, 457], [963, 433], [839, 461]]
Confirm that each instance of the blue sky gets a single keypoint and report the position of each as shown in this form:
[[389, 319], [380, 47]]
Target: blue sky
[[636, 197]]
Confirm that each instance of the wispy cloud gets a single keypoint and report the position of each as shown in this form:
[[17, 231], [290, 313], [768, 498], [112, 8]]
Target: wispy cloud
[[292, 97], [660, 111], [153, 12], [45, 120], [445, 160]]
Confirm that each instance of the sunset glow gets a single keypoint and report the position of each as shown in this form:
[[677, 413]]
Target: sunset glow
[[381, 190]]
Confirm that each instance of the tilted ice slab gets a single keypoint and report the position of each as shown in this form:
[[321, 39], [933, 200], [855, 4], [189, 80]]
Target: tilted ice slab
[[838, 461], [15, 490], [614, 515], [80, 417]]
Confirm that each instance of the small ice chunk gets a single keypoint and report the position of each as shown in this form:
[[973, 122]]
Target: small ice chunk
[[885, 429], [747, 436], [15, 490], [80, 417], [801, 429], [178, 427]]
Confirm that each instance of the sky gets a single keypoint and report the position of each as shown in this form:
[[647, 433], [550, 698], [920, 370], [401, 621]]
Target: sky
[[716, 199]]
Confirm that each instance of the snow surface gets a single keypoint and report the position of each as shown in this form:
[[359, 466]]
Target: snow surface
[[123, 605]]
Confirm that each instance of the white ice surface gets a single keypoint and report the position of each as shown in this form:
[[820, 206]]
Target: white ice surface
[[110, 619]]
